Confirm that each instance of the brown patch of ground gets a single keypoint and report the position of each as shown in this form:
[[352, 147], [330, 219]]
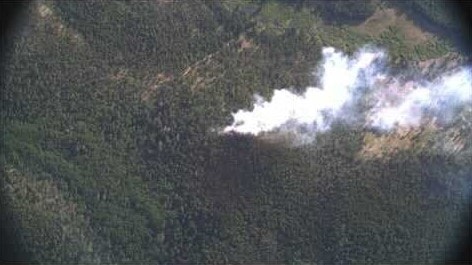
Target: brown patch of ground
[[385, 18], [403, 138], [154, 83], [201, 73], [244, 43]]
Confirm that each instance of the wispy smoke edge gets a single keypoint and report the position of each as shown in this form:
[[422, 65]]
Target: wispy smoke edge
[[356, 88]]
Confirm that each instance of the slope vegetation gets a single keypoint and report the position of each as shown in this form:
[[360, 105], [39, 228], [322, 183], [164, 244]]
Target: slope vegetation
[[111, 155]]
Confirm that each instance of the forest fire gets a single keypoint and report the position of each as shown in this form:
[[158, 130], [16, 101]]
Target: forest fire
[[347, 82]]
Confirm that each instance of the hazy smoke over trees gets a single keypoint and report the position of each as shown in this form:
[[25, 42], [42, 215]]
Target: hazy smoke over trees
[[345, 83]]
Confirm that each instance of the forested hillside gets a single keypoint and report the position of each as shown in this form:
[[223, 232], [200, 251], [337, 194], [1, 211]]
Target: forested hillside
[[111, 154]]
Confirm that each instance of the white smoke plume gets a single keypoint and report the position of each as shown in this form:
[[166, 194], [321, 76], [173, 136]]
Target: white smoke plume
[[346, 82], [437, 99]]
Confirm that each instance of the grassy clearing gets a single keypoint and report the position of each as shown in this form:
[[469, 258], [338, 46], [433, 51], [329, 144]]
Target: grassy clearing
[[387, 27], [385, 18]]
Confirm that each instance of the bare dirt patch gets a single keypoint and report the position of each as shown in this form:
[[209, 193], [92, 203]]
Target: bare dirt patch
[[385, 18], [154, 83], [377, 146]]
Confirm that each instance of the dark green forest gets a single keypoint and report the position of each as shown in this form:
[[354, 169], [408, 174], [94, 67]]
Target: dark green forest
[[110, 156]]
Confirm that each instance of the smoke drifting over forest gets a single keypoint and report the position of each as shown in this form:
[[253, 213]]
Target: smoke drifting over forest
[[357, 89]]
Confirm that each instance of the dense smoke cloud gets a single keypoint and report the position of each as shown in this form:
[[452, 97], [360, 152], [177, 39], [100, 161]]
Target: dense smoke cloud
[[346, 82]]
